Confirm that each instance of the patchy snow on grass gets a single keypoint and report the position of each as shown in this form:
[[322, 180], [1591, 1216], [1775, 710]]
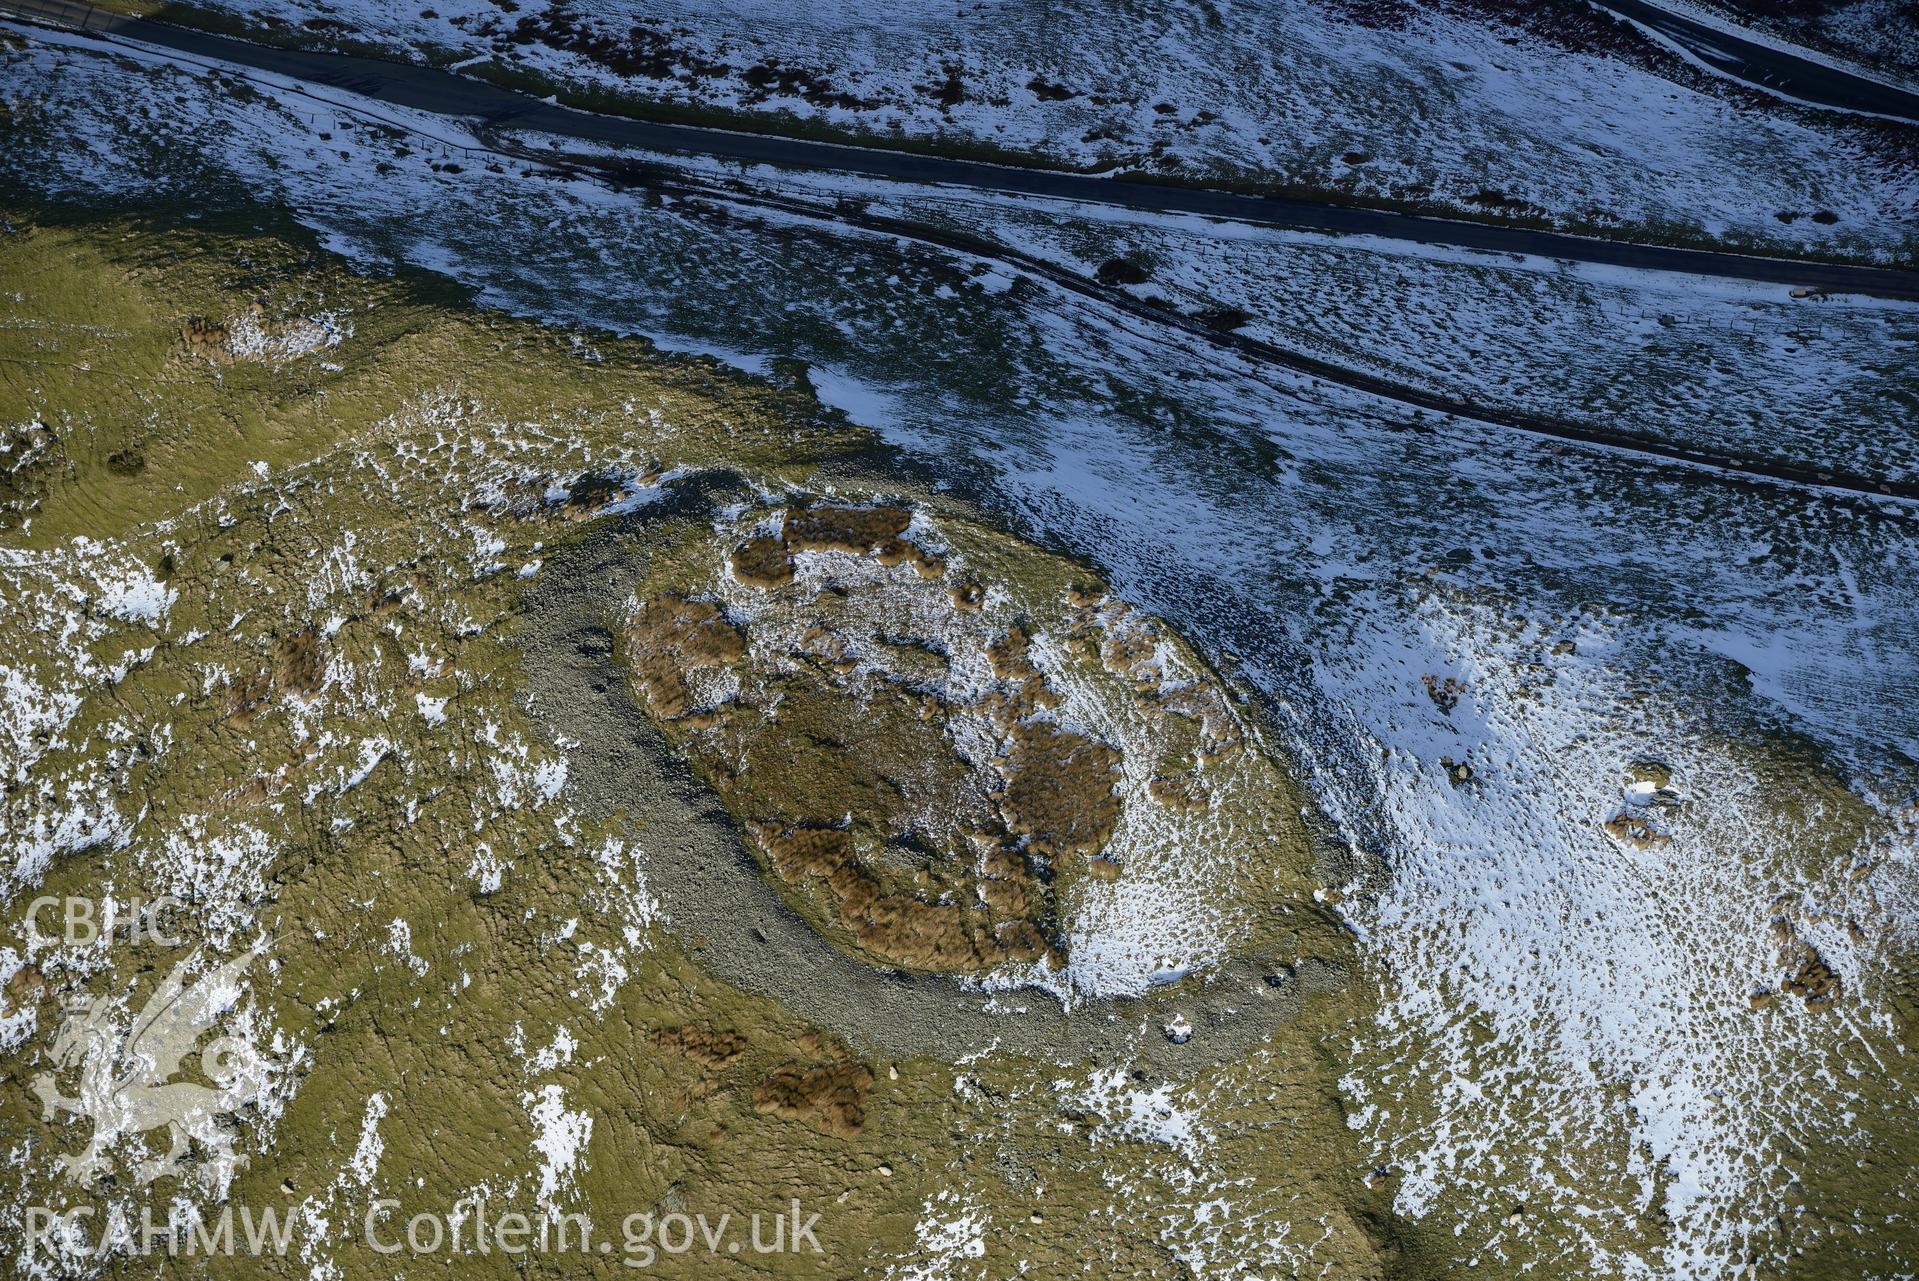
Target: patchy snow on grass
[[1150, 1114], [399, 942], [950, 1238], [560, 1142], [366, 1153], [1568, 1019], [250, 337], [138, 597]]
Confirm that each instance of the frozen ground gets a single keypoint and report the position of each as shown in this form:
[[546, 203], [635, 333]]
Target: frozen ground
[[1714, 364], [1565, 1018], [1548, 112]]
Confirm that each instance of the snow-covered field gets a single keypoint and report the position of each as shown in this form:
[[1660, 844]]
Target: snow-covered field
[[1566, 1018], [1886, 31], [1531, 113]]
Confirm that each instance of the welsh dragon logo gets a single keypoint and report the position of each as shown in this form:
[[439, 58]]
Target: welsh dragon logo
[[126, 1084]]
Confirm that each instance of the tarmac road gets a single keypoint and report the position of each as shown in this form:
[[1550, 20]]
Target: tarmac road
[[447, 93], [1767, 66]]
